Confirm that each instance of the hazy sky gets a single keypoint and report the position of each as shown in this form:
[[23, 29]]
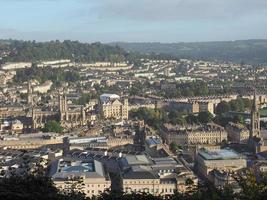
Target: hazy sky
[[133, 20]]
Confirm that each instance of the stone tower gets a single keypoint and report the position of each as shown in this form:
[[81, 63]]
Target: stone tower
[[140, 137], [63, 107], [254, 119], [29, 93]]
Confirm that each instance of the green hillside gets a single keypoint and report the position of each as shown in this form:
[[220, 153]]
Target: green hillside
[[247, 51]]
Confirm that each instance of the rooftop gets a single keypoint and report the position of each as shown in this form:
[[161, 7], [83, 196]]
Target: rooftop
[[65, 168], [137, 160], [222, 154], [107, 97], [153, 141]]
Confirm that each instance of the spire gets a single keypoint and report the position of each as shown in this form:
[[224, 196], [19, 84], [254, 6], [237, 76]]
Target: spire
[[29, 93], [254, 104], [255, 118]]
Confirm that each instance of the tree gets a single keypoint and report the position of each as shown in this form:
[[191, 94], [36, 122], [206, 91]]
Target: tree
[[251, 188], [53, 126], [222, 108], [191, 119], [205, 117], [174, 147], [153, 117], [176, 118], [31, 187], [238, 119]]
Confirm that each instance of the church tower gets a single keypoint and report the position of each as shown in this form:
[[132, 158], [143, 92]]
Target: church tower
[[140, 136], [29, 93], [63, 107], [254, 119]]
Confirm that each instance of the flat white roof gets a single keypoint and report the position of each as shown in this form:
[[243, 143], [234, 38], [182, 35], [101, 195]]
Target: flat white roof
[[221, 154]]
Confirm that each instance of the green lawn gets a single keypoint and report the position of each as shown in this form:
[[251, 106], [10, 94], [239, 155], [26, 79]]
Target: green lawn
[[263, 112]]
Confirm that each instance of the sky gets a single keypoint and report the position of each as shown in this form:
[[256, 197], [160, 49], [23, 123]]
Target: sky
[[133, 20]]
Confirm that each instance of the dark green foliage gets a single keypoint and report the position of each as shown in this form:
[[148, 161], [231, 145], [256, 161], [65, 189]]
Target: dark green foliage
[[222, 108], [54, 50], [205, 117], [238, 105], [196, 88], [157, 117], [238, 119], [174, 147], [84, 99], [176, 118], [240, 51], [53, 126], [191, 119], [39, 187], [154, 118], [32, 187], [57, 75], [223, 120]]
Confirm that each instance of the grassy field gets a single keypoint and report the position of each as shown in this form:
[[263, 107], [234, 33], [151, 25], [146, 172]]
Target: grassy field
[[263, 112]]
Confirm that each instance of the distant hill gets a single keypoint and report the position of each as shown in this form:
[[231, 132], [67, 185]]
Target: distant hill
[[247, 51], [53, 50]]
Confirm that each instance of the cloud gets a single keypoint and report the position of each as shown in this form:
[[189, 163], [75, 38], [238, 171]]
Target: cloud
[[134, 20], [178, 9]]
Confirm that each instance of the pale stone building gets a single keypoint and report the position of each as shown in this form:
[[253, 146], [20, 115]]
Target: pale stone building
[[206, 106], [218, 165], [88, 176], [157, 176], [237, 133], [194, 135], [112, 107]]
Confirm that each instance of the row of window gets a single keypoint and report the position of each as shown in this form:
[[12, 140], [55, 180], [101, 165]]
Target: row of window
[[164, 190], [94, 191]]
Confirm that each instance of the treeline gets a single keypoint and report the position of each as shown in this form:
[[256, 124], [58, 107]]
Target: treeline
[[223, 108], [80, 52], [240, 51], [32, 187], [238, 105], [57, 75], [157, 117], [198, 88]]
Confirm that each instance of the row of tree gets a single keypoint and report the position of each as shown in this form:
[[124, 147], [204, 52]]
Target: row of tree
[[237, 105], [54, 50], [157, 117], [223, 108], [57, 75], [32, 187]]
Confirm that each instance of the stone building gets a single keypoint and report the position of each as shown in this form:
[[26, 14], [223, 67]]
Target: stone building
[[237, 133], [218, 165], [256, 141], [87, 176], [69, 116], [157, 176], [194, 135], [112, 107]]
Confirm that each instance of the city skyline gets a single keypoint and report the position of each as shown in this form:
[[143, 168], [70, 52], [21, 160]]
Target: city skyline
[[133, 21]]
